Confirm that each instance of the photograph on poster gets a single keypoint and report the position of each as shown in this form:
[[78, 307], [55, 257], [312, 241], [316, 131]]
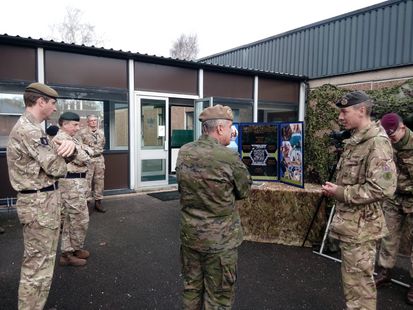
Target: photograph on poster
[[258, 147], [233, 145], [291, 153]]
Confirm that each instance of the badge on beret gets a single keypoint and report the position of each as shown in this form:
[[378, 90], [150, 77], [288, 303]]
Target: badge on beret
[[344, 101], [44, 141]]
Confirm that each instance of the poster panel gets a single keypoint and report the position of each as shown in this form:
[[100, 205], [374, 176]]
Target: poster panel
[[291, 153], [258, 147]]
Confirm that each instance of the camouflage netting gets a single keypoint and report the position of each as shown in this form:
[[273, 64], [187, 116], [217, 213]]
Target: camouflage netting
[[279, 213]]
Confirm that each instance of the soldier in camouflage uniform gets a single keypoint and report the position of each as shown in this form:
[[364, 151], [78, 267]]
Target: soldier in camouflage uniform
[[94, 137], [366, 175], [34, 166], [210, 178], [399, 209], [74, 190]]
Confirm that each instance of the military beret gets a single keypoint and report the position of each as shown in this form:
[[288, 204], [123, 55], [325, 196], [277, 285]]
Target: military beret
[[216, 112], [69, 116], [352, 98], [52, 130], [42, 89], [390, 122]]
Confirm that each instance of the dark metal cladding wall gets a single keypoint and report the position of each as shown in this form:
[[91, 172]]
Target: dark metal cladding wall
[[376, 37]]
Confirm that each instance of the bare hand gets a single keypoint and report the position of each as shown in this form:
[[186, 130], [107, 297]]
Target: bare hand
[[66, 148], [329, 189]]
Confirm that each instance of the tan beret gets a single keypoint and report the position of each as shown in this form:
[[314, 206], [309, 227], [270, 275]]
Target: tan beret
[[42, 89], [216, 112]]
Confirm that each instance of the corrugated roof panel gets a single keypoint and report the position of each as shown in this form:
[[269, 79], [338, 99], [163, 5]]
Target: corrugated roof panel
[[379, 36]]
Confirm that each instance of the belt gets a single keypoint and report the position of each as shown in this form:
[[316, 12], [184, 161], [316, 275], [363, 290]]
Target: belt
[[93, 156], [75, 175], [44, 189]]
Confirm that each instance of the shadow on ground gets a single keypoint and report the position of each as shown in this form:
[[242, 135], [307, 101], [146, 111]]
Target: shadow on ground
[[134, 264]]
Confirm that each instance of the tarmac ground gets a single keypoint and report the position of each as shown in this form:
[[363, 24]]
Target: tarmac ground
[[135, 264]]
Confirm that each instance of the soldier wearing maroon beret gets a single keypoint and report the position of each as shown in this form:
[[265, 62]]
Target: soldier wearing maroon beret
[[399, 209]]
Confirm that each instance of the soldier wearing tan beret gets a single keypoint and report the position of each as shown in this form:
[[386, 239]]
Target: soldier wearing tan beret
[[211, 177]]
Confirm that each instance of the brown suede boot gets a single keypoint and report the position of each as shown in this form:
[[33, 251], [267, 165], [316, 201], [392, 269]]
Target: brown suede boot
[[409, 296], [383, 276], [81, 253], [68, 259], [98, 206]]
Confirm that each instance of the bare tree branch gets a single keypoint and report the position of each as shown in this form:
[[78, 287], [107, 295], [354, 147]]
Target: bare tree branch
[[73, 30], [185, 47]]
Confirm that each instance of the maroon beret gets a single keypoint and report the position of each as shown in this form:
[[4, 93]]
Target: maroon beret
[[390, 122]]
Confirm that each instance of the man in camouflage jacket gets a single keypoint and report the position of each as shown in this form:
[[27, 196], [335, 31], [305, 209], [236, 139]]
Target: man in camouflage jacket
[[211, 178], [94, 138], [73, 187], [399, 209], [35, 164], [366, 175]]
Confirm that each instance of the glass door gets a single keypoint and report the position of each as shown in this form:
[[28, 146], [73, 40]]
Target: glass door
[[152, 141], [200, 105]]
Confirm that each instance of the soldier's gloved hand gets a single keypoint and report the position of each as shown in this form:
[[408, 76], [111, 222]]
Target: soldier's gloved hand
[[66, 148]]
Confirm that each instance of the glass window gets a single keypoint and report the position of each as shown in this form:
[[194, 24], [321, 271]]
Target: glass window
[[153, 123], [81, 107], [11, 107], [112, 116], [242, 110], [118, 114], [277, 112], [153, 170]]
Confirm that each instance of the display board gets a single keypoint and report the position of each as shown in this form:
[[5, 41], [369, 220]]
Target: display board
[[272, 151], [258, 147]]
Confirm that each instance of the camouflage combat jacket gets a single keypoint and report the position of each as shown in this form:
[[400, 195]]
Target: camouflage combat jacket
[[32, 161], [367, 173], [81, 159], [403, 154], [95, 140], [210, 178]]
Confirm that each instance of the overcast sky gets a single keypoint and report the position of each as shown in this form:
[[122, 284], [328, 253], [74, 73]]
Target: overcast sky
[[151, 26]]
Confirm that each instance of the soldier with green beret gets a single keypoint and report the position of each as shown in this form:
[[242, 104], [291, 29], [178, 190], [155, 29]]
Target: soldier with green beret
[[366, 176], [210, 178], [399, 209], [35, 165]]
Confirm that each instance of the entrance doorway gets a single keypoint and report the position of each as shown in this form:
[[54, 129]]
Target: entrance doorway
[[153, 143]]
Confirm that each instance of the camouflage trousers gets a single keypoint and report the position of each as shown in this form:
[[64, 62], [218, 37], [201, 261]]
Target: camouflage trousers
[[75, 214], [40, 215], [357, 269], [209, 279], [389, 247], [96, 178]]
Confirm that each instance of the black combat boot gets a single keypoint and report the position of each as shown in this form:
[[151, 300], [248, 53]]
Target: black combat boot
[[409, 296], [98, 206], [383, 276]]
